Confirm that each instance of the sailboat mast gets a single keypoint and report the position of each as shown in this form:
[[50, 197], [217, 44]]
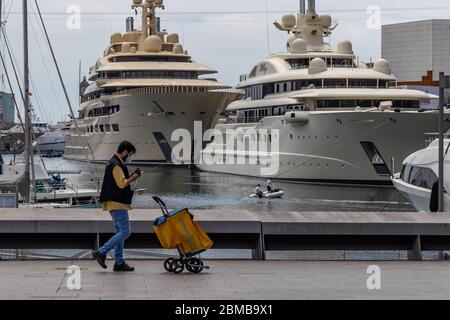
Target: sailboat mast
[[26, 82]]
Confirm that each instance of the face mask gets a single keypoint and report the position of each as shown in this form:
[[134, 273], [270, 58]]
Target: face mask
[[129, 159]]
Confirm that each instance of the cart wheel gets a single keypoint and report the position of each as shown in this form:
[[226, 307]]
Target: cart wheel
[[177, 266], [168, 263], [195, 265]]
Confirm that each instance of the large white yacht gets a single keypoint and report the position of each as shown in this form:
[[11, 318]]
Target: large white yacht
[[143, 88], [338, 120]]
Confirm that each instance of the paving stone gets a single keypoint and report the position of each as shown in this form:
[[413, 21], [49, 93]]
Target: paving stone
[[229, 280]]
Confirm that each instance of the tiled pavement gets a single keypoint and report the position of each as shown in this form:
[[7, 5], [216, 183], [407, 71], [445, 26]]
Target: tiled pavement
[[228, 280]]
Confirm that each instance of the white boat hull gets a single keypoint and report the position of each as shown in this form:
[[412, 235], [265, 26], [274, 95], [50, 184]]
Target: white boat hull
[[420, 174], [328, 147], [140, 118], [270, 195], [69, 196]]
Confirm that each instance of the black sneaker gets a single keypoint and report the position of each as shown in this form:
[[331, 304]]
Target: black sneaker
[[101, 259], [123, 268]]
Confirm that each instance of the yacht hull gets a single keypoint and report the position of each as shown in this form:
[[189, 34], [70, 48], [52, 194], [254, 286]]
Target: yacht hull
[[419, 197], [147, 121], [331, 146]]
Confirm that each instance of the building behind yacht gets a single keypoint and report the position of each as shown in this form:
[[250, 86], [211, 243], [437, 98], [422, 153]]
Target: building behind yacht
[[418, 51], [143, 88]]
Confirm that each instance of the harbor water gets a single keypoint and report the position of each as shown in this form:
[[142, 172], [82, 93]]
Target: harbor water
[[185, 187]]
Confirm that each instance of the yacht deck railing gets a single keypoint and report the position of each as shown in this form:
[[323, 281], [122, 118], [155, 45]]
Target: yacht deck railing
[[173, 89]]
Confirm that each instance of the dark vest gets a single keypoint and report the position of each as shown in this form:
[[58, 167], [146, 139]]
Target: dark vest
[[110, 190]]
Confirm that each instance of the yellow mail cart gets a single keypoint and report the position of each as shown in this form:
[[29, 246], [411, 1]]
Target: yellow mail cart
[[178, 230]]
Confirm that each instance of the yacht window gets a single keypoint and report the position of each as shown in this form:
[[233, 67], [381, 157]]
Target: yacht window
[[397, 104], [254, 92], [279, 111], [155, 74], [339, 83], [299, 63], [268, 89], [357, 83], [135, 58], [418, 176], [115, 127], [107, 128], [307, 83], [383, 84], [104, 111], [340, 63]]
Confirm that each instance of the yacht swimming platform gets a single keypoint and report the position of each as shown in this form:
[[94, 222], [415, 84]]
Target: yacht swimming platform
[[32, 228]]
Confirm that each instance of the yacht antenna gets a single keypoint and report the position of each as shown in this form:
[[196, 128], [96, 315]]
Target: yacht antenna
[[79, 81], [149, 19], [302, 7], [312, 6], [267, 27]]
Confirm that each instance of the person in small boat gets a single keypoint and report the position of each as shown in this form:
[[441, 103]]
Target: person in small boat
[[270, 186], [258, 191]]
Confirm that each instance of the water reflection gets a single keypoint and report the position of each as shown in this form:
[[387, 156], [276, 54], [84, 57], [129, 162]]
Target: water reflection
[[183, 187]]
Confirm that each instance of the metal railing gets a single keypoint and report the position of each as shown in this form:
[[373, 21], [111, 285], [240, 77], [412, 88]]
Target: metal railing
[[249, 119], [332, 232], [170, 89], [12, 254], [430, 137], [244, 77]]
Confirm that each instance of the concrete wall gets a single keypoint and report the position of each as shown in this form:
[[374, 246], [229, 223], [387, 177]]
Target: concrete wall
[[413, 48]]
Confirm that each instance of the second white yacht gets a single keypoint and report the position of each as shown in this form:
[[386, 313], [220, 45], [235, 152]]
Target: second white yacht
[[335, 119]]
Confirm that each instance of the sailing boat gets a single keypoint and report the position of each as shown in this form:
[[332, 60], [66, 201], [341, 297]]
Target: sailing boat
[[34, 182]]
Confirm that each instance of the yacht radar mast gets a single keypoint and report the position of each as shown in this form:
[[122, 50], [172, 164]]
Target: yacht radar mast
[[149, 19], [310, 27]]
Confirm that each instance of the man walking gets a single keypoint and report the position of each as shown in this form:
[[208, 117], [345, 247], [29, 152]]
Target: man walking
[[116, 197]]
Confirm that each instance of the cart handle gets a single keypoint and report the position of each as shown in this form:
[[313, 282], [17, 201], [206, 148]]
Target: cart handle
[[162, 205]]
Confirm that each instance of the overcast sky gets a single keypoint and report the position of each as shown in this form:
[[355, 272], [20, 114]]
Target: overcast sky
[[230, 36]]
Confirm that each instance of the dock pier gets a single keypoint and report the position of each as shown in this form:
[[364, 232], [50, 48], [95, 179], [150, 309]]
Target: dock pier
[[227, 279], [234, 229]]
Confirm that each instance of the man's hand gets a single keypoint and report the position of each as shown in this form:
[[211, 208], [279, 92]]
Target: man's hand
[[136, 175], [138, 172]]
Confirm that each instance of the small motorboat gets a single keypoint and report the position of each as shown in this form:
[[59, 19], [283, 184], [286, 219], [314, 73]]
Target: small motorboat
[[276, 194]]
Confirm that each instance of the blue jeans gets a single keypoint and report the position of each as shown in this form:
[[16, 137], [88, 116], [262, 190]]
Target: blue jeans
[[123, 232]]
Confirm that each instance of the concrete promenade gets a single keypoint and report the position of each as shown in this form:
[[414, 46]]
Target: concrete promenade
[[241, 280], [235, 229]]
